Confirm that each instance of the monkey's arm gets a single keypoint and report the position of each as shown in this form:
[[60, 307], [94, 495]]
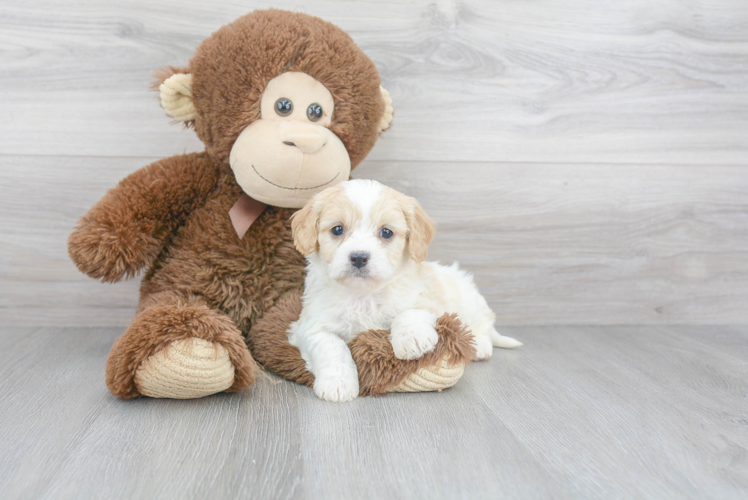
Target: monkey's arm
[[129, 226]]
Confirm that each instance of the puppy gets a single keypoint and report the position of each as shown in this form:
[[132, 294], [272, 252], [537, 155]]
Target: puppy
[[365, 245]]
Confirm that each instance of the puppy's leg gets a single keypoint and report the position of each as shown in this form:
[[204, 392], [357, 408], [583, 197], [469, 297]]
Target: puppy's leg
[[412, 334], [501, 341], [330, 360], [483, 347]]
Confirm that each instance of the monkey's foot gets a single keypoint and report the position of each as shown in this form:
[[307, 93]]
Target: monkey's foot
[[380, 371], [186, 369], [180, 350], [432, 378]]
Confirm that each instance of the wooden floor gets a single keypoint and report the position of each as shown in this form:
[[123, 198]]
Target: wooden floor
[[578, 412]]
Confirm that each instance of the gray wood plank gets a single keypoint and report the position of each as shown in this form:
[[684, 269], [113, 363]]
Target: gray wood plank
[[632, 398], [61, 426], [549, 244], [645, 81], [578, 412], [590, 244]]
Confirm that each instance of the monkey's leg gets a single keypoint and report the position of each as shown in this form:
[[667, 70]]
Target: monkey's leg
[[268, 340], [177, 347], [379, 371]]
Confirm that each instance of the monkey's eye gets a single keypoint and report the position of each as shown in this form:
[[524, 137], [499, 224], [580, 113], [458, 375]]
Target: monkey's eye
[[337, 230], [386, 233], [283, 106], [314, 112]]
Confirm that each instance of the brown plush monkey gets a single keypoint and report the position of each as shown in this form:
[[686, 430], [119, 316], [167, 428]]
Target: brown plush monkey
[[286, 105]]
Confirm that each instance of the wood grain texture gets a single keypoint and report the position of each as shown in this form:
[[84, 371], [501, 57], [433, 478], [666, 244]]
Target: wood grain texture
[[643, 81], [587, 160], [590, 244], [549, 244], [578, 412]]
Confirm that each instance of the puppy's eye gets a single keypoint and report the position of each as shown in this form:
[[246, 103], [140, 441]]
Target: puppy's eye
[[283, 106], [337, 230], [386, 233], [314, 112]]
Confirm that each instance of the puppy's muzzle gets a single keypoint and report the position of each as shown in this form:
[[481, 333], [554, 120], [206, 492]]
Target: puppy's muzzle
[[359, 259]]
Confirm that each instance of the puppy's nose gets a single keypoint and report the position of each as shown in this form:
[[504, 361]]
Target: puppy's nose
[[359, 259], [309, 138]]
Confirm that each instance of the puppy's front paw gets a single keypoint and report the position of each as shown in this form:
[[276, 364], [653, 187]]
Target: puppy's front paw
[[414, 341], [336, 387], [483, 347]]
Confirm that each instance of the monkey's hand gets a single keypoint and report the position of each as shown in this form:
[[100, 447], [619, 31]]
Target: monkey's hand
[[126, 230]]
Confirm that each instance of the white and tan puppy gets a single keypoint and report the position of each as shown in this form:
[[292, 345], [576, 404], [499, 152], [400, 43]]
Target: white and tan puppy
[[365, 245]]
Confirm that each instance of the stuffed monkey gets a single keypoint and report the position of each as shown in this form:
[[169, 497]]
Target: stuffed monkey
[[286, 105]]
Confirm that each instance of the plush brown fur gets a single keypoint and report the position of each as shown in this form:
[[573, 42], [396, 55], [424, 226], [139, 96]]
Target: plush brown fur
[[171, 217], [268, 339], [127, 229], [379, 371], [231, 69]]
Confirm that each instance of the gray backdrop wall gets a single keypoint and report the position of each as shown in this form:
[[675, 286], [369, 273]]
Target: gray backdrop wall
[[587, 160]]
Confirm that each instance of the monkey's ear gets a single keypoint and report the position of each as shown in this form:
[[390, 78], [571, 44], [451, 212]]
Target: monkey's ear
[[386, 120], [176, 97]]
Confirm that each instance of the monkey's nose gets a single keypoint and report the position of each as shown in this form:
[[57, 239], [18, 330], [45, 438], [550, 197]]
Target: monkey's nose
[[307, 137], [359, 259]]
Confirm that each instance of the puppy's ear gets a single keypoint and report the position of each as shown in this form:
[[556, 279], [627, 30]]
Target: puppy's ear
[[421, 230], [304, 226]]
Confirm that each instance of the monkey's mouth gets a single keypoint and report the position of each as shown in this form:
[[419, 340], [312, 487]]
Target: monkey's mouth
[[291, 188]]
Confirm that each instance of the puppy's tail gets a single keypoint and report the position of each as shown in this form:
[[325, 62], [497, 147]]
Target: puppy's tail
[[499, 340]]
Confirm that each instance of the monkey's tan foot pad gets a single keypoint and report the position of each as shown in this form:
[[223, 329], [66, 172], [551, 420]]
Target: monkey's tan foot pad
[[432, 378], [380, 372], [186, 369]]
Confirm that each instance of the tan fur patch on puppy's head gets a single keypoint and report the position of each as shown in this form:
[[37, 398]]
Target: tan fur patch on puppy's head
[[339, 210], [392, 210], [420, 227], [387, 212], [321, 213], [363, 231], [422, 231]]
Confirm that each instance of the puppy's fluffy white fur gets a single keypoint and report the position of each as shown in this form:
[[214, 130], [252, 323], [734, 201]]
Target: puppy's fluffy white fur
[[395, 290]]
